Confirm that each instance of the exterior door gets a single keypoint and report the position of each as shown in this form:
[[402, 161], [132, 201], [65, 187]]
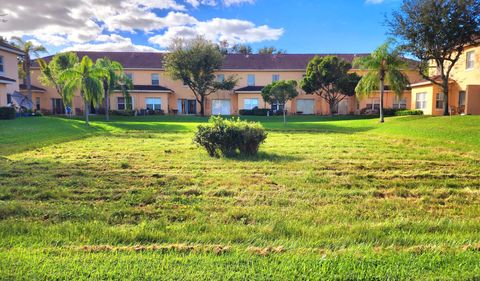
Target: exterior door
[[220, 107], [57, 106], [306, 106]]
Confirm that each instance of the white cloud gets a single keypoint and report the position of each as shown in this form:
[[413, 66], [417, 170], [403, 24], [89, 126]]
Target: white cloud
[[111, 43], [374, 1], [85, 23], [217, 29]]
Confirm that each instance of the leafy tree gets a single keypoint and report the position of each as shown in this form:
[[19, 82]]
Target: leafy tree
[[26, 62], [86, 77], [280, 92], [195, 62], [384, 65], [51, 74], [328, 78], [241, 49], [437, 31], [271, 51], [114, 78]]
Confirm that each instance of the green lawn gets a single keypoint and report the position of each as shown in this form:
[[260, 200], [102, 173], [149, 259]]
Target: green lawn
[[326, 198]]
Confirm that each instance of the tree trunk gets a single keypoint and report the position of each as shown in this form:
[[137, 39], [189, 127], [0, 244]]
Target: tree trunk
[[284, 116], [382, 92], [28, 77], [202, 106], [87, 110], [332, 107], [446, 112], [107, 106]]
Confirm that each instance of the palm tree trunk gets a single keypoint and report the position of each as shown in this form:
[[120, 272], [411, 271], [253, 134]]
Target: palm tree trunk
[[382, 92], [107, 106], [28, 78], [86, 110]]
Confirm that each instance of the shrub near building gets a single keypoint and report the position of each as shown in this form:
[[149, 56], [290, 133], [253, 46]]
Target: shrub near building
[[230, 137], [7, 113]]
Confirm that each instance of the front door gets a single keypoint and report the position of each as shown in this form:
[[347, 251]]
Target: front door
[[220, 107], [57, 106]]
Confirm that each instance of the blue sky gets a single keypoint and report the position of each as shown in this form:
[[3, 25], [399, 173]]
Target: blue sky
[[302, 26]]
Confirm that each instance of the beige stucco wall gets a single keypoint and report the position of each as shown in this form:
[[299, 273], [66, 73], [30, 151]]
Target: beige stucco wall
[[10, 70], [170, 101]]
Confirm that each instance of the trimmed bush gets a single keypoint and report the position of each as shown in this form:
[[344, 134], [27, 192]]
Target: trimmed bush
[[254, 112], [408, 112], [122, 112], [221, 137], [7, 113]]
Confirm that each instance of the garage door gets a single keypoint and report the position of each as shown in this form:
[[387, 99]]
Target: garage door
[[306, 106], [220, 107]]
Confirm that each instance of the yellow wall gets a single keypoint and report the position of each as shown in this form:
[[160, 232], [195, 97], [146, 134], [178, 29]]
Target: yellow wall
[[10, 70]]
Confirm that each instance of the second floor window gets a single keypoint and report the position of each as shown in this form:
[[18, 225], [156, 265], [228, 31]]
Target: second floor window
[[421, 102], [470, 60], [1, 64], [155, 79], [220, 78], [275, 77], [251, 80]]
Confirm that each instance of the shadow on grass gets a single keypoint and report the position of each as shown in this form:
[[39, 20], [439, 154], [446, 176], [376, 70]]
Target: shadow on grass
[[263, 156]]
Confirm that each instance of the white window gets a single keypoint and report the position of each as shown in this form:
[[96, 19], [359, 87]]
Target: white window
[[251, 79], [373, 104], [470, 60], [221, 78], [1, 64], [439, 101], [250, 103], [155, 79], [124, 103], [421, 102], [275, 77], [154, 103], [400, 103]]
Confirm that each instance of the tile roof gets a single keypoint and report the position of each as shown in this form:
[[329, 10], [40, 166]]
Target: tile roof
[[148, 60], [23, 87], [4, 45], [6, 79], [253, 89], [150, 88]]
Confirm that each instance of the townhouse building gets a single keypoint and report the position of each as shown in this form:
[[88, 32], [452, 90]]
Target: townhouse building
[[9, 82], [154, 90], [464, 87]]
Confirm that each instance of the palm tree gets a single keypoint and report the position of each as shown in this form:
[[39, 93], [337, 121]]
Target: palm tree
[[114, 78], [384, 65], [86, 77], [51, 74], [30, 50]]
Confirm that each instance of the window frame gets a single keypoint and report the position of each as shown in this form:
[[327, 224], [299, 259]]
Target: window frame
[[251, 76], [400, 103], [152, 79], [154, 107], [439, 97], [275, 77], [470, 63], [423, 102], [251, 106]]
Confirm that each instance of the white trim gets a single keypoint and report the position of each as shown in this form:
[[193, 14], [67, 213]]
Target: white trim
[[7, 82], [12, 51]]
